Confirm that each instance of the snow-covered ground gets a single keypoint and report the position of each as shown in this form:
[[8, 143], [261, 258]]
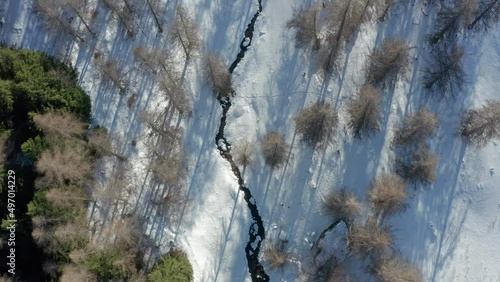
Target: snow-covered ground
[[450, 230]]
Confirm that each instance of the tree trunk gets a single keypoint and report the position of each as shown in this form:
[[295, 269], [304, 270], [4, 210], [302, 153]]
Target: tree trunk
[[482, 14], [160, 30]]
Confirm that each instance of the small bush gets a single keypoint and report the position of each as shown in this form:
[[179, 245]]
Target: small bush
[[276, 256], [342, 204], [420, 166], [416, 127], [172, 267], [396, 269], [481, 125], [387, 61], [274, 148], [387, 194], [365, 111], [369, 240], [316, 123], [243, 153]]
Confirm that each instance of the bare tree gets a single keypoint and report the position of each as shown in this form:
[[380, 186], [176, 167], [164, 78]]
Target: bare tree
[[111, 71], [274, 148], [101, 143], [171, 136], [70, 164], [78, 8], [342, 204], [124, 13], [153, 59], [56, 124], [446, 74], [388, 61], [71, 234], [396, 269], [65, 197], [416, 127], [365, 112], [316, 123], [370, 240], [175, 91], [452, 19], [77, 273], [486, 15], [387, 194], [481, 125], [419, 166], [216, 73], [185, 32], [306, 27], [50, 9], [126, 232], [387, 5], [169, 169], [243, 153]]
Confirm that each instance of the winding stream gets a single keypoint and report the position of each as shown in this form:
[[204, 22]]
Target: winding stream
[[256, 232]]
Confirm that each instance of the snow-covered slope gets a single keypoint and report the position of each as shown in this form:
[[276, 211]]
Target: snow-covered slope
[[450, 230]]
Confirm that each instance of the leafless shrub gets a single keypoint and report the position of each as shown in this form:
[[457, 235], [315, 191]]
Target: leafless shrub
[[338, 272], [217, 75], [274, 148], [486, 15], [370, 240], [69, 164], [452, 19], [56, 124], [416, 128], [388, 61], [275, 255], [172, 85], [481, 125], [111, 71], [152, 59], [419, 166], [446, 74], [77, 273], [243, 153], [396, 269], [306, 27], [185, 32], [342, 204], [365, 112], [125, 14], [316, 123], [387, 194]]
